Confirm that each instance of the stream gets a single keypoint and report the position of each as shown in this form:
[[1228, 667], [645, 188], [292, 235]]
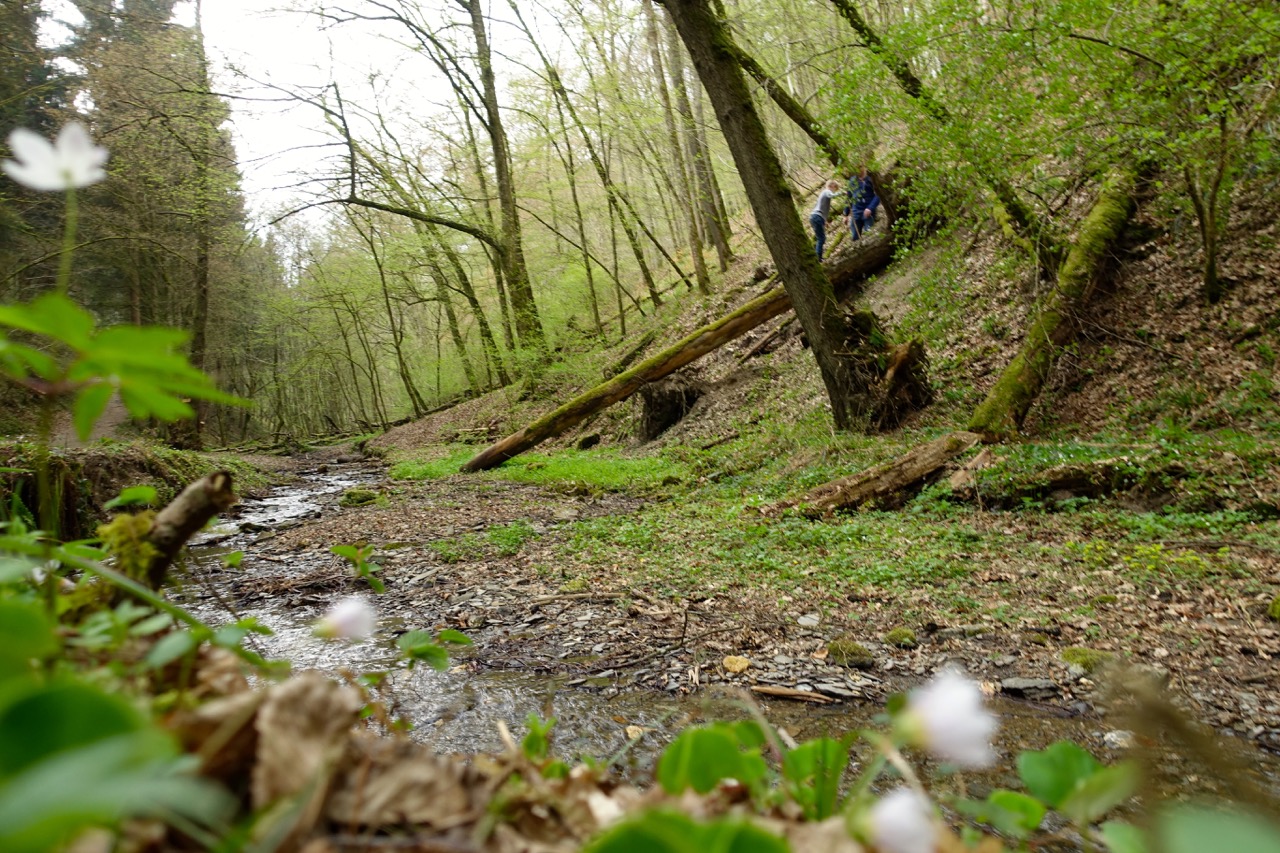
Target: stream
[[457, 711]]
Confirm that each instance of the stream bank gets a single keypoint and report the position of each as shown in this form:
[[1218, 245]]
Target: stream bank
[[474, 555]]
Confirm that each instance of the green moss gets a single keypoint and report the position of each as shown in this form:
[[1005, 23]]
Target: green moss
[[1105, 599], [1037, 639], [845, 651], [902, 637], [575, 585], [358, 497], [1273, 612], [1090, 660]]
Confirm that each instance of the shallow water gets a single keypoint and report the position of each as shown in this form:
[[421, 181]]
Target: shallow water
[[459, 710]]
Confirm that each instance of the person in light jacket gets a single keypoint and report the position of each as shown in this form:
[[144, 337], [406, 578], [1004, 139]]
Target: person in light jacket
[[821, 214]]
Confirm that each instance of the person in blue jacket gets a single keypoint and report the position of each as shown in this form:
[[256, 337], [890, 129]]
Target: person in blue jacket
[[863, 203]]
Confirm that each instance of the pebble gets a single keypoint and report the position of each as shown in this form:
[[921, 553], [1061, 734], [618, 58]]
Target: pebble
[[1119, 739], [783, 660], [809, 620]]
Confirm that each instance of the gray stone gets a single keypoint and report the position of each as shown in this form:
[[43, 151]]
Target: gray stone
[[809, 620], [1031, 688], [783, 660], [1119, 739]]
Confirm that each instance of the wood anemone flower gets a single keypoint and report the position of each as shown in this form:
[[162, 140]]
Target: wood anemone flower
[[69, 162]]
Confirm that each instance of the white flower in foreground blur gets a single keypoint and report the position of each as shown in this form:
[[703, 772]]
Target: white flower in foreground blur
[[903, 822], [350, 619], [70, 161], [947, 717]]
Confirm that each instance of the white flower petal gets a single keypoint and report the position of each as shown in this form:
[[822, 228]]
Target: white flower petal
[[71, 161], [951, 722], [903, 822], [352, 618]]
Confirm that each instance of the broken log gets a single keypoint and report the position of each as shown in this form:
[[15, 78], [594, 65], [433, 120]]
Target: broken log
[[883, 481], [1002, 413], [845, 272], [183, 517]]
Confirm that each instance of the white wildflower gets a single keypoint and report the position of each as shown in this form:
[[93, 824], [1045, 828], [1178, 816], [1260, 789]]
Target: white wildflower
[[903, 822], [351, 618], [70, 161], [947, 717]]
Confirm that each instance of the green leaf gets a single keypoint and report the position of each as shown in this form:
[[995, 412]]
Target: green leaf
[[1054, 772], [815, 769], [671, 832], [1123, 837], [146, 401], [90, 403], [419, 646], [699, 758], [14, 568], [151, 625], [349, 552], [46, 719], [1101, 792], [1197, 830], [448, 635], [170, 647], [133, 496], [1010, 812], [53, 315], [135, 774], [26, 634]]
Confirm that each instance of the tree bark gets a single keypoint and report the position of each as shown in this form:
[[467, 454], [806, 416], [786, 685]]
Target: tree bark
[[871, 255], [183, 517], [883, 481], [528, 325], [770, 196], [1001, 414]]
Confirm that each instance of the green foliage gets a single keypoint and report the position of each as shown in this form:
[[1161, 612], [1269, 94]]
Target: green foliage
[[1012, 813], [703, 756], [144, 364], [1072, 781], [360, 558], [813, 772], [566, 470], [422, 647], [1090, 660], [1189, 829], [671, 832], [508, 539]]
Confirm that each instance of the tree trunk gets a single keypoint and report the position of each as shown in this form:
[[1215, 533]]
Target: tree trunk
[[528, 326], [1001, 414], [770, 196], [679, 167], [871, 255], [883, 482], [702, 177]]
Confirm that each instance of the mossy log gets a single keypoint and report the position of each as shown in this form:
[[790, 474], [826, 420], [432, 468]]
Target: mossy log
[[183, 517], [884, 481], [845, 272], [1002, 413]]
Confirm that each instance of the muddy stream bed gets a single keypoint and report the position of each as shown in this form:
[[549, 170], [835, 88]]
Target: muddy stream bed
[[599, 669]]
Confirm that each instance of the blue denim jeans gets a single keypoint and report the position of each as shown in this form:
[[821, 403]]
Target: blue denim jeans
[[819, 231]]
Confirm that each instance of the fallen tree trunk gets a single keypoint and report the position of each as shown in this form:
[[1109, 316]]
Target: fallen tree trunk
[[869, 256], [883, 481], [1002, 413]]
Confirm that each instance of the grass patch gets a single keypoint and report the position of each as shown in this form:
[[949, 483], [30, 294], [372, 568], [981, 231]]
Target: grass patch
[[591, 470]]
